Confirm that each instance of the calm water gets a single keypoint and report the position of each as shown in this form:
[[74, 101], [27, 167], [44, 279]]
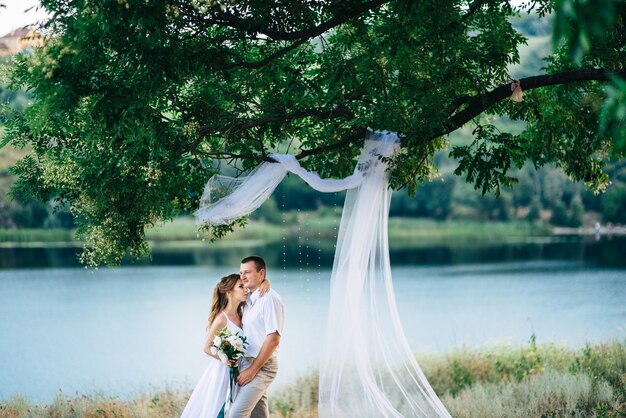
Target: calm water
[[137, 328]]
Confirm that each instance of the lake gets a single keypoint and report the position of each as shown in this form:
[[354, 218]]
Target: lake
[[136, 328]]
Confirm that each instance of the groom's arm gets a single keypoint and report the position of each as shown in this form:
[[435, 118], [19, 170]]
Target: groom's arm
[[267, 350]]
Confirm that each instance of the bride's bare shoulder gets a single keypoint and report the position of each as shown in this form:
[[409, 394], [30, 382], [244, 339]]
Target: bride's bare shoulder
[[218, 323]]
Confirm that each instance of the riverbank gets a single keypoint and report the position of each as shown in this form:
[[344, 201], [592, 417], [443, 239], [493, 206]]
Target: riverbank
[[310, 241], [310, 228], [319, 229], [514, 381]]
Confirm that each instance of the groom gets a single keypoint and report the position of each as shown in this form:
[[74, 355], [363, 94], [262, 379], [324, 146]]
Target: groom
[[263, 319]]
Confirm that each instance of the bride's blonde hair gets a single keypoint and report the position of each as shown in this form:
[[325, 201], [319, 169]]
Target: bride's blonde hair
[[220, 300]]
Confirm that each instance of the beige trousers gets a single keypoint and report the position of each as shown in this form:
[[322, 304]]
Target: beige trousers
[[251, 400]]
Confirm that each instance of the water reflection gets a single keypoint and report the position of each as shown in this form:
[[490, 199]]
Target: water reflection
[[606, 252]]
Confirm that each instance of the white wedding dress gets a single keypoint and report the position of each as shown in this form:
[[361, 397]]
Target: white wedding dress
[[211, 391]]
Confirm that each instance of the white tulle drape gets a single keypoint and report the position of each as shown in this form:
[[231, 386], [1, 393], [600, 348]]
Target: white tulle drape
[[368, 368], [226, 199]]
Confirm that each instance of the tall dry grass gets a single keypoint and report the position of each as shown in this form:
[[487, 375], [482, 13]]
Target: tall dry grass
[[163, 404], [504, 382], [547, 394]]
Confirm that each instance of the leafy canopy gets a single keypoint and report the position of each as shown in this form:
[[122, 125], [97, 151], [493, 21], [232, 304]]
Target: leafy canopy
[[137, 103]]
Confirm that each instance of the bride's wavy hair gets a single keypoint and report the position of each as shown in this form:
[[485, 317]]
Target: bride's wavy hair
[[220, 299]]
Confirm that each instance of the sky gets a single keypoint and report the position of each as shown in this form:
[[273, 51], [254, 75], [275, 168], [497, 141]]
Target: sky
[[15, 14]]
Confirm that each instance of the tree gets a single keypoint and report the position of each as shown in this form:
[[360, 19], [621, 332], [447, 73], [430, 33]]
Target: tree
[[534, 214], [9, 100], [560, 217], [433, 200], [578, 211], [137, 103], [525, 190], [30, 214], [613, 204]]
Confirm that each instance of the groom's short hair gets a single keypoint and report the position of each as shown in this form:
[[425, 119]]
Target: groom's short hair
[[258, 262]]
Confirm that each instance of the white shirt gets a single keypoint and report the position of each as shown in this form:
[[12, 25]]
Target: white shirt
[[262, 316]]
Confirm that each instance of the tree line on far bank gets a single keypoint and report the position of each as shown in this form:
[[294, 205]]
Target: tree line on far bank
[[541, 195], [545, 195]]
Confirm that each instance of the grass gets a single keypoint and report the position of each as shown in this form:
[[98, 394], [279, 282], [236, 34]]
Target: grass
[[506, 381], [164, 404], [314, 227], [425, 232], [185, 229], [40, 237], [321, 229], [509, 381], [535, 381]]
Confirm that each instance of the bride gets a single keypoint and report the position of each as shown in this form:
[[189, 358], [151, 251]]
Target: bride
[[209, 396]]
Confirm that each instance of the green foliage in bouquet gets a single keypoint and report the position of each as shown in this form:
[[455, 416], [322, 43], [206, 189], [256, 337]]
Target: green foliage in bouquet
[[228, 346]]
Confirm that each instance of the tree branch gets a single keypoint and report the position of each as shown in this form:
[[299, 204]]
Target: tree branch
[[300, 37], [224, 155], [249, 25], [474, 7], [243, 124], [478, 104], [268, 59], [414, 173], [358, 135], [475, 106]]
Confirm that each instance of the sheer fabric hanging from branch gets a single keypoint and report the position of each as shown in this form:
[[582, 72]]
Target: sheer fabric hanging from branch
[[368, 369], [226, 199]]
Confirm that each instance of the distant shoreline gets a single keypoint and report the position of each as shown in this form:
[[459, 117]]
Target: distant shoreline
[[584, 231], [403, 232]]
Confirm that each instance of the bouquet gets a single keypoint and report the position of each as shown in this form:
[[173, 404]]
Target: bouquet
[[228, 347]]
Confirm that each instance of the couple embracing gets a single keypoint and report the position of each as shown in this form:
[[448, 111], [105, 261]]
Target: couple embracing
[[245, 305]]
